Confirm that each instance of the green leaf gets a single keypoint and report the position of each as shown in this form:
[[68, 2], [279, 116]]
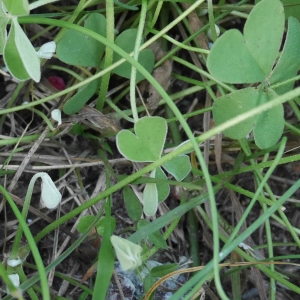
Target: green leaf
[[132, 204], [155, 238], [235, 58], [291, 8], [289, 61], [179, 167], [230, 61], [234, 104], [84, 223], [263, 32], [150, 198], [163, 270], [163, 189], [101, 225], [269, 125], [3, 33], [78, 49], [17, 7], [147, 143], [126, 41], [19, 55], [84, 94]]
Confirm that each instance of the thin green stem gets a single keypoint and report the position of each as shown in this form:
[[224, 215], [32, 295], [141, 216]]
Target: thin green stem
[[110, 27], [136, 57], [18, 237]]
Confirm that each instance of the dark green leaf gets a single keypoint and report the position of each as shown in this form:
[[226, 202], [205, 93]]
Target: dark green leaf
[[78, 49], [132, 204]]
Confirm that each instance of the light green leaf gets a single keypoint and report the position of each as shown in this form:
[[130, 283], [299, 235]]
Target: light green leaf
[[269, 125], [249, 58], [179, 167], [19, 55], [147, 143], [84, 94], [163, 189], [3, 33], [289, 61], [230, 61], [150, 198], [17, 7], [132, 204], [234, 104], [263, 32], [84, 223], [78, 49], [126, 41]]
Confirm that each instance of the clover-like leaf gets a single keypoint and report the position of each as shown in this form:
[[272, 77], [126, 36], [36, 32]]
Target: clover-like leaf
[[126, 41], [234, 104], [19, 55], [249, 58], [76, 48], [77, 102], [163, 189], [147, 143], [179, 167], [269, 125], [289, 61]]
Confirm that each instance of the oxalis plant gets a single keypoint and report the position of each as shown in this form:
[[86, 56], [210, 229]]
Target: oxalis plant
[[146, 145], [253, 59]]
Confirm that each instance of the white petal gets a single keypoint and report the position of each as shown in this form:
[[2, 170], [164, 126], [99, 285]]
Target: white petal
[[14, 262], [56, 115], [51, 196], [47, 50], [128, 253], [15, 279]]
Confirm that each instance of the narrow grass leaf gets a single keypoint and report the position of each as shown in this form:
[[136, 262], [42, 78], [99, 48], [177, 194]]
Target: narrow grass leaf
[[105, 263], [155, 238]]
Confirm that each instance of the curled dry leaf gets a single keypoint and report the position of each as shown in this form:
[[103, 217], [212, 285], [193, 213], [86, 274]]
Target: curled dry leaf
[[162, 74]]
